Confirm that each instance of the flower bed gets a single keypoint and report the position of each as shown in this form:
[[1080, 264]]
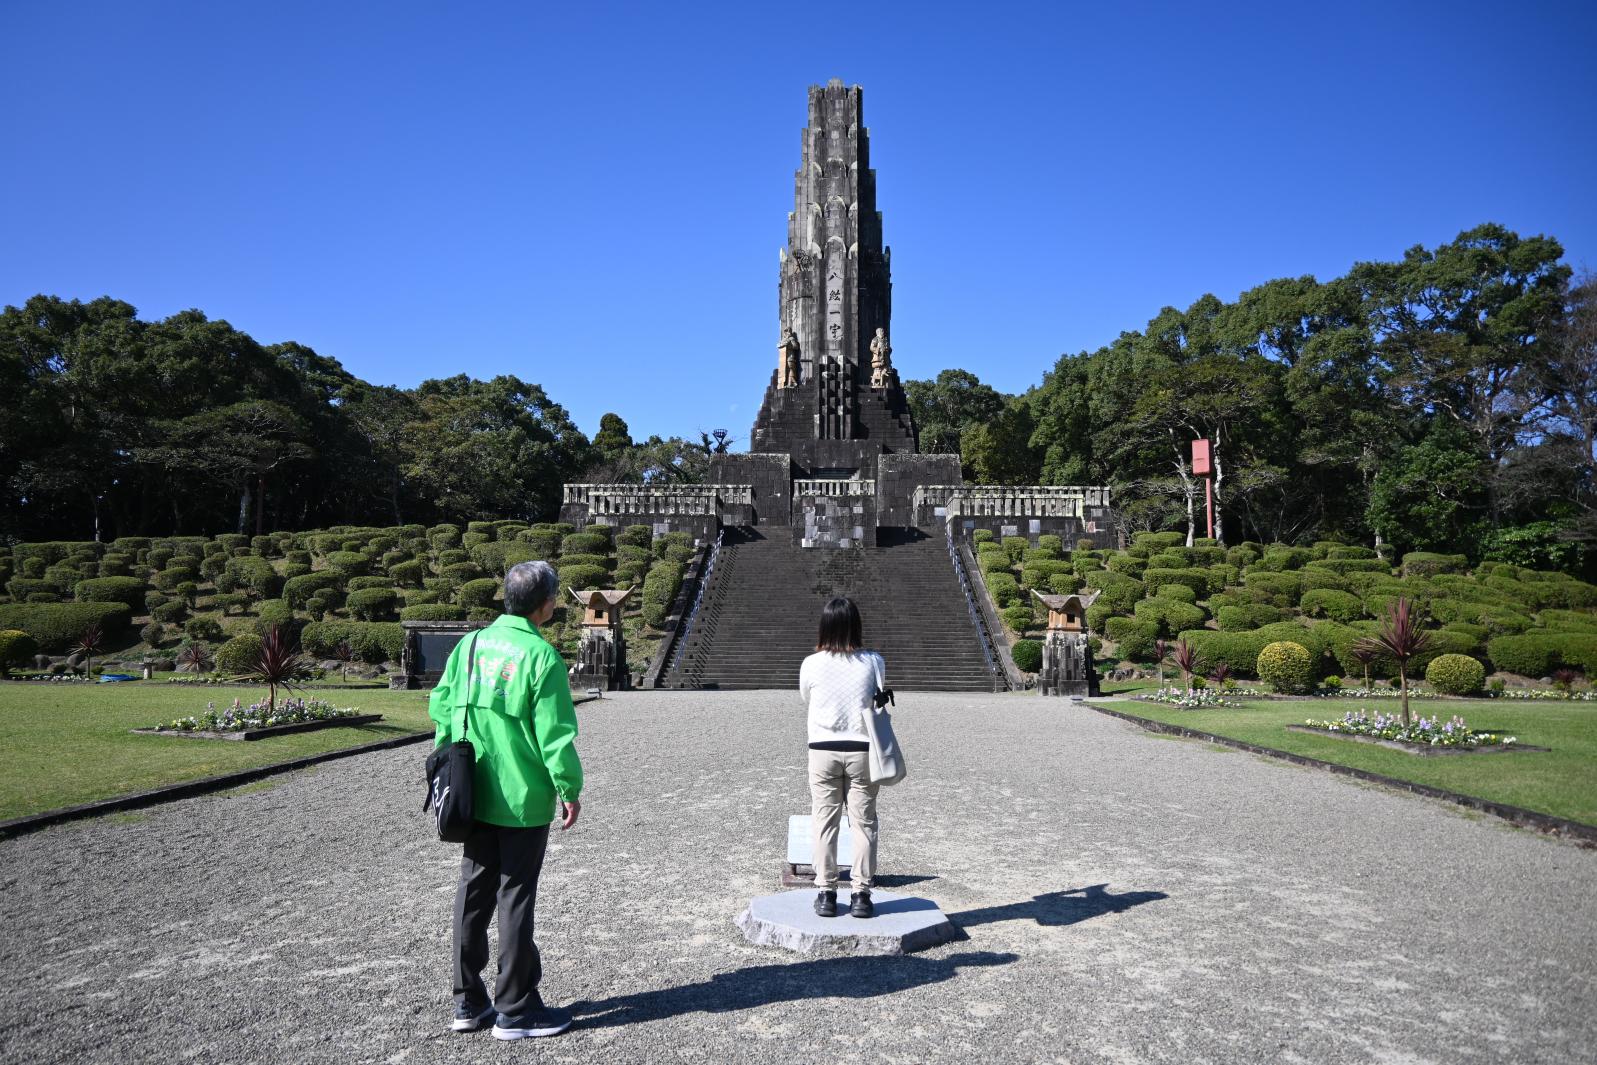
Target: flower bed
[[1375, 693], [237, 718], [1196, 699], [1529, 694], [1423, 731]]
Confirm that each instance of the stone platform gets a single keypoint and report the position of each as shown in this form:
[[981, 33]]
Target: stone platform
[[903, 924]]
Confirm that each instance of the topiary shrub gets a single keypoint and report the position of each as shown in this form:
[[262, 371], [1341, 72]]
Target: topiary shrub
[[203, 628], [1064, 583], [372, 641], [1279, 558], [1027, 655], [1281, 588], [239, 654], [478, 593], [433, 612], [1330, 603], [581, 575], [372, 604], [299, 590], [1133, 637], [357, 584], [349, 563], [16, 648], [1455, 674], [1197, 579], [1004, 589], [1426, 564], [1019, 617], [257, 575], [461, 572], [586, 543], [1171, 615], [1530, 655], [170, 578], [1181, 593], [1243, 617], [408, 574], [1286, 667], [1120, 593], [57, 626], [175, 610], [635, 536], [659, 589]]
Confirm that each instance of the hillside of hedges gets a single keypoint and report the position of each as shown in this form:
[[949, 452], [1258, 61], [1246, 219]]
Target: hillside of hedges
[[1231, 602], [343, 585]]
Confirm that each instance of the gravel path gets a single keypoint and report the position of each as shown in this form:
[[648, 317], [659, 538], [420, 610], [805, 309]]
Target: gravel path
[[1127, 898]]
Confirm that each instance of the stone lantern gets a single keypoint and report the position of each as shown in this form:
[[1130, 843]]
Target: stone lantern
[[1066, 656], [602, 657]]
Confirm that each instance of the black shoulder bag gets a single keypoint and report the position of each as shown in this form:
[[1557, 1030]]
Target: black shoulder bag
[[450, 772]]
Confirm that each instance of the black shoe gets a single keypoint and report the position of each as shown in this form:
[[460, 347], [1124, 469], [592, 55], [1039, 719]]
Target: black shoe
[[826, 904], [860, 905], [470, 1016], [547, 1021]]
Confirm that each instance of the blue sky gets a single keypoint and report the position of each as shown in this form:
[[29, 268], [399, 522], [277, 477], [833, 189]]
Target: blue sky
[[591, 196]]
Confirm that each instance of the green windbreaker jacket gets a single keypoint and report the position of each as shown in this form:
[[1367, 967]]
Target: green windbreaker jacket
[[523, 725]]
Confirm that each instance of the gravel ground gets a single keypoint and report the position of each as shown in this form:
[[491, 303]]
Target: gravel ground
[[1124, 897]]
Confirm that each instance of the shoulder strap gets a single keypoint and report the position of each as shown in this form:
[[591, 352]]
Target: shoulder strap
[[465, 687]]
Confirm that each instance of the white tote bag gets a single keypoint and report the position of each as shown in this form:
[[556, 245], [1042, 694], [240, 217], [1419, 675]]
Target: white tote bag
[[887, 759]]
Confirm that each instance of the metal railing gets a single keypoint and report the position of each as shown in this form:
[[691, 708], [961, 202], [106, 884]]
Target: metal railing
[[685, 627], [976, 618]]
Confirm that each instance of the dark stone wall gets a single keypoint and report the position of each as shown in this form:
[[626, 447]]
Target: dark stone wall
[[1068, 529], [835, 521], [897, 477], [772, 478], [698, 526]]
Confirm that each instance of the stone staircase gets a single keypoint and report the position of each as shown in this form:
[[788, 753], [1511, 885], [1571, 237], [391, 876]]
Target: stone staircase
[[757, 619]]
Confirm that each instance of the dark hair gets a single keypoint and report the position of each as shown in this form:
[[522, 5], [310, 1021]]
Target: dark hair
[[840, 627]]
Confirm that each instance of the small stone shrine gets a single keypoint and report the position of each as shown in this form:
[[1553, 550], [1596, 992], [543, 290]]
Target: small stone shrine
[[602, 658], [1066, 654]]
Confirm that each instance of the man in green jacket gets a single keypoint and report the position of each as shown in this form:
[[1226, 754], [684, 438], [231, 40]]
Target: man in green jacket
[[524, 729]]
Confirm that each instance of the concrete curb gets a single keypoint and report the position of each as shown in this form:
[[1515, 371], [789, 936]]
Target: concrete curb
[[20, 826], [1574, 831]]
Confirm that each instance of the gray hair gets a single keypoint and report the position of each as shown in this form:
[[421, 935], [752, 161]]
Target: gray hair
[[528, 586]]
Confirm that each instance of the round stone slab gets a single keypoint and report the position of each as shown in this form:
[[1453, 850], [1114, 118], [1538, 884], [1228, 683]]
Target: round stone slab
[[902, 924]]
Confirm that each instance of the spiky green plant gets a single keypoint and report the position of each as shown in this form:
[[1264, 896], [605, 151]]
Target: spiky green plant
[[279, 664], [1401, 638]]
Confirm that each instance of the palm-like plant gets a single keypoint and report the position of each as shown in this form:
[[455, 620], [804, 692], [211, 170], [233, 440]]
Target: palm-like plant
[[1399, 637], [279, 664], [194, 657], [1364, 656], [1220, 674], [1161, 650], [344, 654], [90, 643], [1186, 657]]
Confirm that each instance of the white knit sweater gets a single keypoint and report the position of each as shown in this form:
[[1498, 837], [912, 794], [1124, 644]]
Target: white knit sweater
[[838, 687]]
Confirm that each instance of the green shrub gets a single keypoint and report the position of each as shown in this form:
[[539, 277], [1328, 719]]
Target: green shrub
[[1426, 563], [659, 589], [257, 575], [298, 590], [461, 572], [1130, 565], [640, 536], [170, 578], [1054, 545], [1245, 616], [602, 561], [57, 626], [1530, 655], [491, 557], [1004, 589], [1196, 579], [175, 610], [1346, 567], [433, 612], [1180, 592], [1277, 587], [1243, 555], [153, 633], [360, 584], [1019, 616], [349, 563], [372, 604], [1027, 655], [204, 628], [1133, 637], [1455, 674], [1064, 583], [1286, 667], [371, 641], [1280, 558], [984, 536], [1120, 593], [1330, 603], [1237, 651], [16, 648], [1171, 615], [994, 562], [239, 654], [1311, 577], [111, 590], [586, 543], [408, 574], [478, 593], [1155, 541], [583, 575]]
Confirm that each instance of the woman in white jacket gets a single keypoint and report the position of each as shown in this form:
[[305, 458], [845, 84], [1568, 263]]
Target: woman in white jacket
[[840, 683]]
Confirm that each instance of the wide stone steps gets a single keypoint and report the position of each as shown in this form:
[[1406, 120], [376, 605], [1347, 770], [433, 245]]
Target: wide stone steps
[[759, 613]]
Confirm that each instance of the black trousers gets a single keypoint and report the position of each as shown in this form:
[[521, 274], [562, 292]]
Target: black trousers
[[499, 870]]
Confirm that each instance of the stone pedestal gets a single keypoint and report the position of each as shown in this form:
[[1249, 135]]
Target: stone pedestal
[[602, 656], [1066, 652], [903, 924]]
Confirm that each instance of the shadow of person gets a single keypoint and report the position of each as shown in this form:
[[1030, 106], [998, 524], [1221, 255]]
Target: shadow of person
[[1058, 908], [758, 985]]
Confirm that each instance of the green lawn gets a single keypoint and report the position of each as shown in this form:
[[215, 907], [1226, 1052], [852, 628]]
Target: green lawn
[[1562, 781], [68, 744]]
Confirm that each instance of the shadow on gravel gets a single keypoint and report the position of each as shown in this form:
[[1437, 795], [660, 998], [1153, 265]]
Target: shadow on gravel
[[759, 985], [1058, 908], [904, 880]]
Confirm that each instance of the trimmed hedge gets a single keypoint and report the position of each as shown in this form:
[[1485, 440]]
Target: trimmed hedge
[[1003, 588], [1455, 674], [299, 590], [239, 654], [16, 648], [57, 626], [433, 612], [129, 590], [1286, 667], [1027, 655], [1537, 654], [1330, 603], [1245, 616], [1133, 637], [372, 604], [372, 641], [1171, 615], [659, 589], [478, 593]]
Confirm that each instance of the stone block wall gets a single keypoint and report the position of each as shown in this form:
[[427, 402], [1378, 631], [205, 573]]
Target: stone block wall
[[771, 476], [897, 477]]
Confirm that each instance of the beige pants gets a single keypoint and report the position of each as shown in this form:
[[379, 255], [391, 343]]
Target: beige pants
[[836, 777]]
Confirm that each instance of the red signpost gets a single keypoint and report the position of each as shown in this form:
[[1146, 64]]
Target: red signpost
[[1203, 467]]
